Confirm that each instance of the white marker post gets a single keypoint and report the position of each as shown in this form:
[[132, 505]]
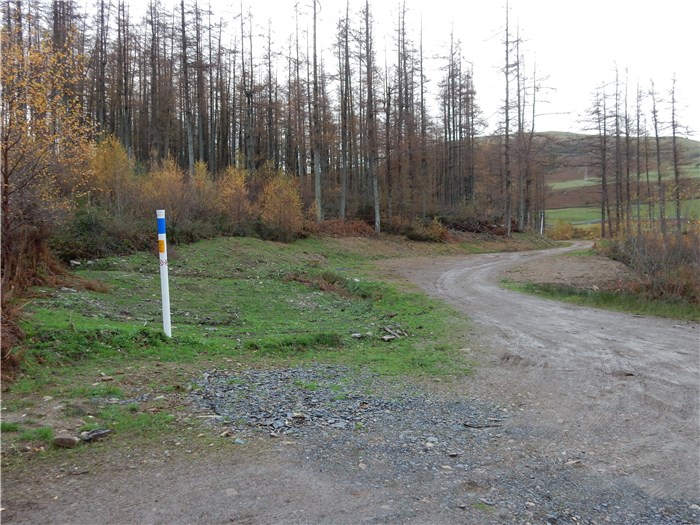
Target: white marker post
[[164, 287]]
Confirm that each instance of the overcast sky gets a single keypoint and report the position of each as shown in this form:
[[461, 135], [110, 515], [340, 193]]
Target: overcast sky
[[574, 44]]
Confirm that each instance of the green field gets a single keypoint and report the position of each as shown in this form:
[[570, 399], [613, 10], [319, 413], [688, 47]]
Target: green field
[[586, 214]]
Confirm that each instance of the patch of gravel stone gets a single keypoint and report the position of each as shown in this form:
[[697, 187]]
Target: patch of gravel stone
[[464, 453], [299, 401]]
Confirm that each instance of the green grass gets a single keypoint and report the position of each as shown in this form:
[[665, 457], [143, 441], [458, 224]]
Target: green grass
[[9, 427], [103, 391], [127, 421], [581, 253], [87, 427], [42, 434], [573, 215], [622, 302], [242, 298], [689, 208]]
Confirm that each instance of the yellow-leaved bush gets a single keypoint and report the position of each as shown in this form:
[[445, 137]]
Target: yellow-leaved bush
[[281, 214], [233, 200]]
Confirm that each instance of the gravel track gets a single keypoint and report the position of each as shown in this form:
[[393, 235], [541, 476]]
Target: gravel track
[[621, 389]]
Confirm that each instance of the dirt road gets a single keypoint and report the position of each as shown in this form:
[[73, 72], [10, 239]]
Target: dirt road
[[621, 389], [573, 416]]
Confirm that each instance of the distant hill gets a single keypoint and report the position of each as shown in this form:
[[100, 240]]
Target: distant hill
[[571, 166]]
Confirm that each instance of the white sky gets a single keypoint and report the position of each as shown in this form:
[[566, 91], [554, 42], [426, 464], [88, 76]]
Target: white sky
[[575, 44]]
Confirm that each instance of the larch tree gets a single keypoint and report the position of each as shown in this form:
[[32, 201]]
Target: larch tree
[[371, 118], [185, 87], [317, 127], [676, 156], [660, 187], [44, 139]]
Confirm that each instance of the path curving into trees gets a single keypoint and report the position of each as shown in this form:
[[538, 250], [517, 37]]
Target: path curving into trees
[[619, 392]]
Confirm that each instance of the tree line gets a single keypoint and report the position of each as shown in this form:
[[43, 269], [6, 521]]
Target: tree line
[[103, 111], [183, 84], [633, 158]]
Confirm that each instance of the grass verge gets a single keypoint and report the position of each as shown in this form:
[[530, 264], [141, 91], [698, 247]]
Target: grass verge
[[621, 302]]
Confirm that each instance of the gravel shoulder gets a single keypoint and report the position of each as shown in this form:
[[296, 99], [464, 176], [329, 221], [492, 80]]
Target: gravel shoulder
[[574, 415]]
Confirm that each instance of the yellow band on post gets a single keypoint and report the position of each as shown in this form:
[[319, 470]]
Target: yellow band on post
[[161, 246]]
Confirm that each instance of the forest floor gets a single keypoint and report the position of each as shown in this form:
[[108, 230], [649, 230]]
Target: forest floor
[[572, 415]]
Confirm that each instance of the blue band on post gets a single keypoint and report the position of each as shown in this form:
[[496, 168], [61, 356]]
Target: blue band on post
[[161, 225]]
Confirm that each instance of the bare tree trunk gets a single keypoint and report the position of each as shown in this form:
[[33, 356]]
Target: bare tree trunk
[[371, 119], [676, 168], [506, 147], [661, 190], [201, 92], [628, 189], [317, 131], [186, 90], [618, 158], [423, 136], [345, 103], [387, 148], [600, 111], [639, 161]]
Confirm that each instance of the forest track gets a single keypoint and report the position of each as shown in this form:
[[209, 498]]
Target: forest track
[[622, 388]]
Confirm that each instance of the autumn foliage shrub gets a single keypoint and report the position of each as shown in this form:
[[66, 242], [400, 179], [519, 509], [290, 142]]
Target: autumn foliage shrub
[[166, 188], [113, 185], [281, 216], [434, 231], [345, 228], [233, 200], [667, 267], [561, 231]]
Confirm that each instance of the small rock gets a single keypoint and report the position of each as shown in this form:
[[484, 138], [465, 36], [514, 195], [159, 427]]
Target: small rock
[[388, 338], [66, 441], [487, 501], [74, 263], [432, 439], [94, 435], [239, 441], [356, 336]]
